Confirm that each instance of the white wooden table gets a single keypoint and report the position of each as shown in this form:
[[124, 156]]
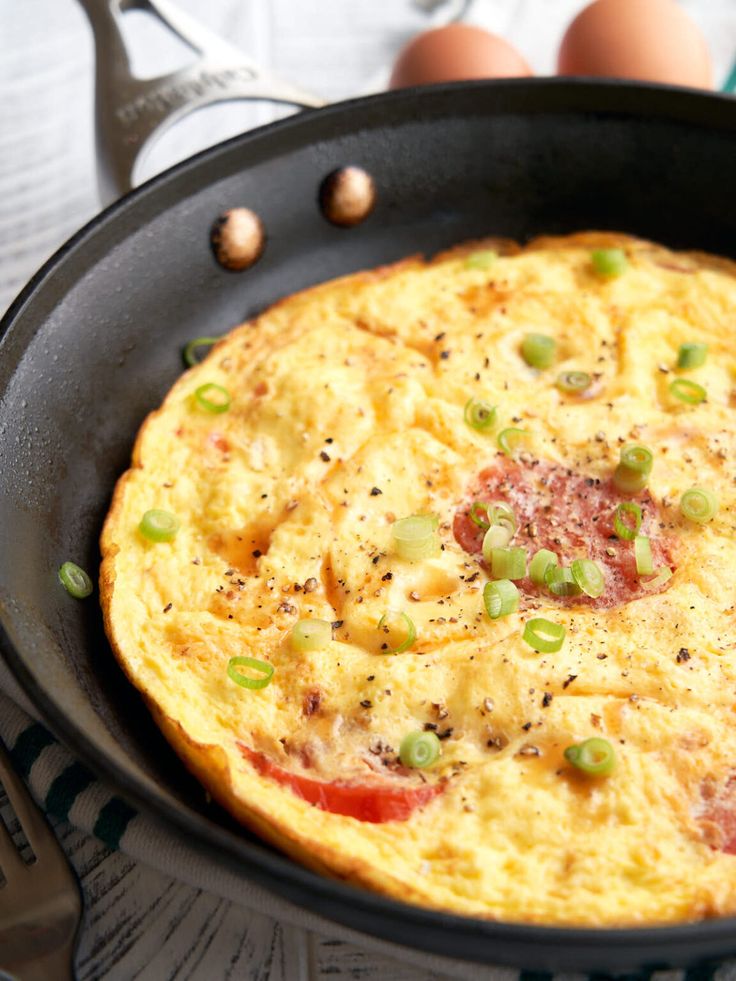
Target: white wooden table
[[138, 922]]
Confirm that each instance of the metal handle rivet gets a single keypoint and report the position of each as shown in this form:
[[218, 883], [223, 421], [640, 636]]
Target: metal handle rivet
[[238, 239], [347, 196]]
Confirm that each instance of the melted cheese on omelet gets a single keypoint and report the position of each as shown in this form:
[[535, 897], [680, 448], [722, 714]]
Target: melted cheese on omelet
[[346, 414]]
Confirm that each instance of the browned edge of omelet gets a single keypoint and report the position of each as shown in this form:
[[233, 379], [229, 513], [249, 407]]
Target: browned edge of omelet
[[208, 762], [209, 766]]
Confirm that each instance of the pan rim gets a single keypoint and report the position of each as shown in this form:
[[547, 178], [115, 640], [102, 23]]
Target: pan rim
[[561, 85], [189, 822], [250, 856]]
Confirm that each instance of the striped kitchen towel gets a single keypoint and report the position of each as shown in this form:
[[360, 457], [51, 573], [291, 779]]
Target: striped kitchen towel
[[67, 790]]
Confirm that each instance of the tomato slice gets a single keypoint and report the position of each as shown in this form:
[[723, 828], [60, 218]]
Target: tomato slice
[[721, 811], [372, 802], [219, 442], [571, 514]]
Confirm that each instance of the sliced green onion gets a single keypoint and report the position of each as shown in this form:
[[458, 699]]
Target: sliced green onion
[[263, 669], [310, 635], [502, 528], [688, 391], [539, 565], [502, 514], [497, 536], [661, 576], [560, 581], [632, 473], [509, 438], [415, 537], [538, 350], [75, 580], [627, 532], [609, 262], [501, 597], [643, 555], [159, 526], [637, 458], [692, 355], [573, 381], [478, 508], [543, 635], [480, 415], [699, 504], [589, 576], [508, 563], [385, 624], [481, 260], [190, 351], [213, 398], [419, 749], [593, 756]]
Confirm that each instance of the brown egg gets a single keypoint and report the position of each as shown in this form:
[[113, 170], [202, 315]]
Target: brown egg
[[457, 51], [652, 40]]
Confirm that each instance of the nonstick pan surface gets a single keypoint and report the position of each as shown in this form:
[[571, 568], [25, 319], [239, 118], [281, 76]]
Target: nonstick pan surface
[[94, 343]]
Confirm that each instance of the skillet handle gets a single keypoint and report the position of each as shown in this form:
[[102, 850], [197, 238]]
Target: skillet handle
[[130, 112]]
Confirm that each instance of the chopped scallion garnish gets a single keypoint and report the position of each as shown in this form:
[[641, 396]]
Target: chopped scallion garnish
[[609, 262], [159, 526], [660, 577], [643, 555], [637, 458], [419, 749], [497, 536], [483, 259], [538, 350], [500, 597], [388, 623], [692, 355], [190, 351], [543, 635], [501, 513], [542, 561], [508, 563], [625, 529], [480, 415], [632, 473], [213, 398], [310, 635], [264, 672], [415, 537], [509, 438], [75, 580], [688, 391], [594, 756], [502, 528], [479, 515], [573, 382], [589, 576], [699, 504], [560, 581]]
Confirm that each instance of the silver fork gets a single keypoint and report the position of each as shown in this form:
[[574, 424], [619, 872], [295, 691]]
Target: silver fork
[[40, 903]]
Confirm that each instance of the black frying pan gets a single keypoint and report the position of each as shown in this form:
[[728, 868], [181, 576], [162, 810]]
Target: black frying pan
[[93, 343]]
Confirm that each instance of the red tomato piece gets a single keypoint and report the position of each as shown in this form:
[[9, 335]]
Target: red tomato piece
[[572, 515], [219, 442], [721, 811], [373, 802]]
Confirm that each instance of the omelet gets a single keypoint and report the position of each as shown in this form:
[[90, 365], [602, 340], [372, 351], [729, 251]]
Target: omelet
[[427, 573]]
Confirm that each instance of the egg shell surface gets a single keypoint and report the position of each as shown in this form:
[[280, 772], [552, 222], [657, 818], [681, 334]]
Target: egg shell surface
[[453, 53], [648, 40]]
